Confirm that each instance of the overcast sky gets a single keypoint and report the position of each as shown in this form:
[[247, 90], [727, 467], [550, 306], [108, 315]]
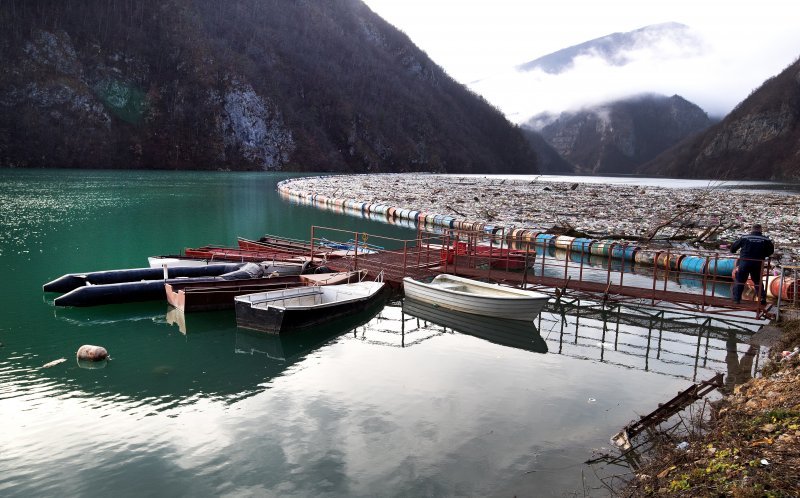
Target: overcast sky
[[479, 42]]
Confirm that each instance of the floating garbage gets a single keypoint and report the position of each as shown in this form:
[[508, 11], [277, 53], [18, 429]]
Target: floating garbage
[[714, 214], [87, 352], [54, 363]]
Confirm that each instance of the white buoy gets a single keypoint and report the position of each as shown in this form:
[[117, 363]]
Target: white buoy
[[88, 352]]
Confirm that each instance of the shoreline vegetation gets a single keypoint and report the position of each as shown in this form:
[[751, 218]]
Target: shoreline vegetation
[[694, 218], [746, 444]]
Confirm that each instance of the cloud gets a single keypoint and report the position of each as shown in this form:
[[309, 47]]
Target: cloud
[[715, 77]]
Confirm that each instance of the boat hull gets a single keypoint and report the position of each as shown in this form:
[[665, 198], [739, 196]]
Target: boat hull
[[72, 281], [481, 299], [219, 295], [265, 313]]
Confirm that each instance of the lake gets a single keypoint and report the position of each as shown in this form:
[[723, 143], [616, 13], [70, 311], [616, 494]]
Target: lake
[[402, 403]]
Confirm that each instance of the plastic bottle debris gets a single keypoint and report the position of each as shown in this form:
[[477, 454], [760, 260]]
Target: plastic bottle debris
[[54, 363], [713, 214], [787, 355], [683, 446]]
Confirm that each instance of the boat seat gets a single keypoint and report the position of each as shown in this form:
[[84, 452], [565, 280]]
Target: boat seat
[[452, 286]]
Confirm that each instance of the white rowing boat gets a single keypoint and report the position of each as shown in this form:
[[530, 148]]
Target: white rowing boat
[[478, 298]]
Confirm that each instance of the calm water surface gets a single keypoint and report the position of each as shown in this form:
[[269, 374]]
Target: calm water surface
[[410, 402]]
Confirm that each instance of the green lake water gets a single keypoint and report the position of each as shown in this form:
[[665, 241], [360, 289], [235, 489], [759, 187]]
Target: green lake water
[[396, 406]]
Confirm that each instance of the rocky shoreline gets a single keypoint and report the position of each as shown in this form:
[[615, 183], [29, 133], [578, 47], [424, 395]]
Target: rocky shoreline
[[696, 218]]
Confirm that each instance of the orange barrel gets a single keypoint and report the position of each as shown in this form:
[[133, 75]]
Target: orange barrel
[[478, 226], [787, 291], [392, 212], [516, 234], [564, 242], [530, 235], [669, 261]]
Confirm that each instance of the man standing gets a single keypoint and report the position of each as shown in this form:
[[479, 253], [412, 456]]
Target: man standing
[[755, 248]]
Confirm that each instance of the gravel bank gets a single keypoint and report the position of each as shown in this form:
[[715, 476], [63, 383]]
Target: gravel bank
[[717, 215]]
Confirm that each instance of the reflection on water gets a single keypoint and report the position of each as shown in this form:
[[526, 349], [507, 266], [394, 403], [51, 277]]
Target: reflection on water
[[513, 333], [412, 405], [689, 346]]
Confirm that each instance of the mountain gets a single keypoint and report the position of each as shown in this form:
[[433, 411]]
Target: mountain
[[550, 162], [618, 137], [758, 140], [618, 49], [241, 84]]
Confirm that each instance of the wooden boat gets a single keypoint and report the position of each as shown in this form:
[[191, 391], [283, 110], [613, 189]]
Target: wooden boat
[[235, 254], [479, 298], [219, 294], [296, 308], [271, 242], [512, 333]]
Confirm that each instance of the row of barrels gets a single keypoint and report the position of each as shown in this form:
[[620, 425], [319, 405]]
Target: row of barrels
[[673, 261], [518, 238]]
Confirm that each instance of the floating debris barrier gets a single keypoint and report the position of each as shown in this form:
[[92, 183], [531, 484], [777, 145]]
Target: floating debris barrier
[[586, 208]]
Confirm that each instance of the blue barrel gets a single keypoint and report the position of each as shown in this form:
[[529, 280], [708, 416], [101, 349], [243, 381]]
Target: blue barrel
[[722, 267], [625, 252], [578, 256], [693, 264], [545, 239], [582, 245], [488, 229]]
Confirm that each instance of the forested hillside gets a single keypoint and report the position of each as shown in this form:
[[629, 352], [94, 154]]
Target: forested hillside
[[242, 84], [759, 139], [619, 136]]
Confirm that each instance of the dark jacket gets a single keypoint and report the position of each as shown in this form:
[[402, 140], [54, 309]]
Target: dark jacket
[[753, 246]]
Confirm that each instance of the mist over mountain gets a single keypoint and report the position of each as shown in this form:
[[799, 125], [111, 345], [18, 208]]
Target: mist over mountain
[[245, 84], [759, 139], [619, 49], [659, 58], [618, 137]]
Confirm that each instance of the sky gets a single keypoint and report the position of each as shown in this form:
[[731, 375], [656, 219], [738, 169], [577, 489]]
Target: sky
[[480, 42]]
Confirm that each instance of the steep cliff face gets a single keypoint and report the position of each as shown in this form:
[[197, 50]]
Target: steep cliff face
[[759, 139], [550, 161], [617, 137], [246, 84]]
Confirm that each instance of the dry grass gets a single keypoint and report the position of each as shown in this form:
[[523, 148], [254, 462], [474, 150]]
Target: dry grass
[[747, 446]]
